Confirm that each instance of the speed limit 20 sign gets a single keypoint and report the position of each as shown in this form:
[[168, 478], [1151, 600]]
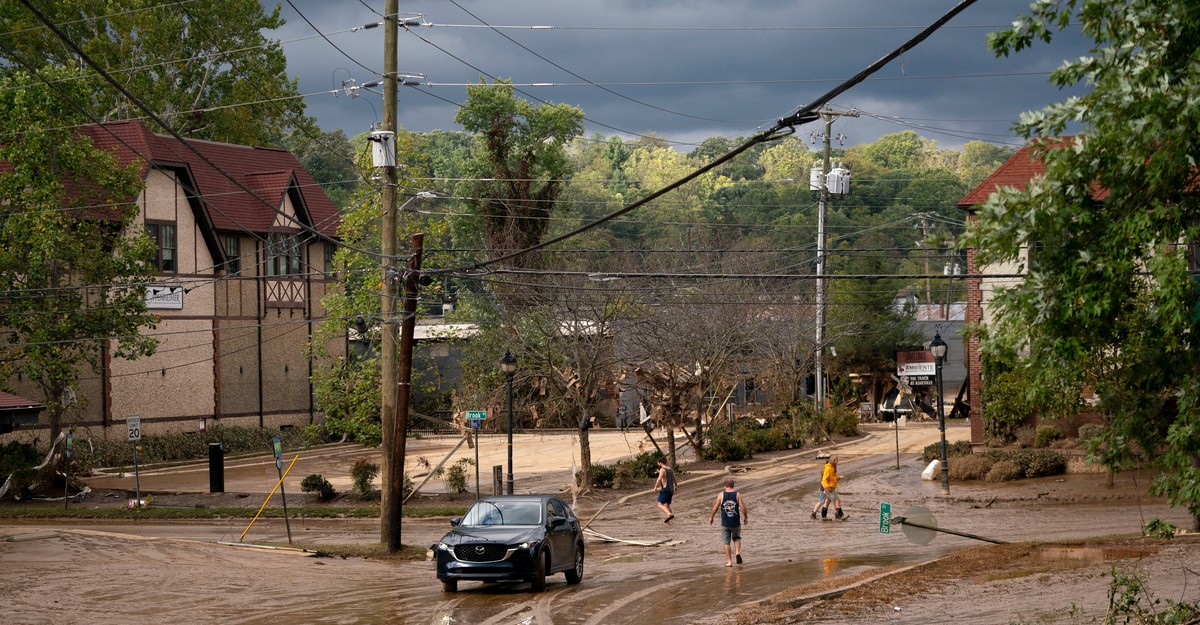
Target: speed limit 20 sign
[[133, 423]]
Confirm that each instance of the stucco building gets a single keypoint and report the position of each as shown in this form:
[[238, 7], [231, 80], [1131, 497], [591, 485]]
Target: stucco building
[[244, 256]]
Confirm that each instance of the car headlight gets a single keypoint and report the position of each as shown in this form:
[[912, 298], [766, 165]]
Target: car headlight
[[532, 544], [444, 547]]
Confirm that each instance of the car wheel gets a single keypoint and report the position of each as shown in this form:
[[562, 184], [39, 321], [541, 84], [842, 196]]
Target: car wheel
[[575, 575], [539, 576], [450, 585]]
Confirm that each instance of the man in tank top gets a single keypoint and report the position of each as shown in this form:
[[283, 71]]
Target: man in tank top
[[665, 485], [734, 515]]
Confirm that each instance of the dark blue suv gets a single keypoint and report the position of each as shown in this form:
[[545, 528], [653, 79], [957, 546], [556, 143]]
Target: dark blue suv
[[512, 538]]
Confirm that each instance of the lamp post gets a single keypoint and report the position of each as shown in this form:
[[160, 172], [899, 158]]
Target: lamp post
[[508, 364], [938, 347]]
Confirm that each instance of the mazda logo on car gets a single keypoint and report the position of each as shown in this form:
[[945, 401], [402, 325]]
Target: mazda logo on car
[[479, 549]]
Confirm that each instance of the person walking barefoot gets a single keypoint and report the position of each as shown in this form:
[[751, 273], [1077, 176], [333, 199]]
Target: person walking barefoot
[[665, 485], [734, 515]]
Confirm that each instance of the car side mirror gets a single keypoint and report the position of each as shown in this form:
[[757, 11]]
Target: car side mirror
[[557, 521], [454, 521]]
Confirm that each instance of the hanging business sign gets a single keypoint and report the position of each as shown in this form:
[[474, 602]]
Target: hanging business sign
[[164, 297], [916, 368]]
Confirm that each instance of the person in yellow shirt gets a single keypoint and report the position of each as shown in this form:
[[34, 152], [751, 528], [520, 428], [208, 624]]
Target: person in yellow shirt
[[829, 481]]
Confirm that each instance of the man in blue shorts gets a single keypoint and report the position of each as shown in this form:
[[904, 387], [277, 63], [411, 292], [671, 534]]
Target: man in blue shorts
[[734, 514], [665, 485]]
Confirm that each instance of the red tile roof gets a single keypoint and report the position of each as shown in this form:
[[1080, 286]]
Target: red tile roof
[[1016, 172], [268, 172], [9, 402]]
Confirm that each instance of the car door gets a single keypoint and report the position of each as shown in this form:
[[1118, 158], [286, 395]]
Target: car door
[[562, 547]]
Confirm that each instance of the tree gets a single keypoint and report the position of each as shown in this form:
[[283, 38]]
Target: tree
[[329, 158], [72, 271], [688, 357], [204, 66], [569, 340], [1112, 289], [899, 150], [519, 163], [347, 388]]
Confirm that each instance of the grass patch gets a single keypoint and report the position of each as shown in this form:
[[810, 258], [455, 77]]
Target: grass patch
[[82, 511], [407, 553]]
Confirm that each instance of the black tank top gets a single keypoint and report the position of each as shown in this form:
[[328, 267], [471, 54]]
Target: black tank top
[[731, 513]]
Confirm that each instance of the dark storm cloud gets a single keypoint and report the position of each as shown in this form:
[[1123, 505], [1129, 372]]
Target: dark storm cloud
[[740, 66]]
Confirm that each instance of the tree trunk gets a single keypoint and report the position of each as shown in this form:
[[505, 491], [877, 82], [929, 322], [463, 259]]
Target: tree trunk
[[585, 457], [671, 446]]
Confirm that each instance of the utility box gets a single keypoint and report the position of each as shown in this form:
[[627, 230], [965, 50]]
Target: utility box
[[216, 468], [383, 148]]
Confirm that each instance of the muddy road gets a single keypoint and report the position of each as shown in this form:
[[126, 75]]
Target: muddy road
[[125, 573]]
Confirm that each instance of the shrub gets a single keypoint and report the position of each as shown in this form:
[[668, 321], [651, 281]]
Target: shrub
[[627, 474], [933, 451], [1090, 430], [645, 464], [314, 434], [1040, 462], [1024, 436], [363, 473], [602, 476], [1003, 471], [316, 483], [969, 468], [842, 422], [91, 453], [455, 476], [1046, 435], [723, 447]]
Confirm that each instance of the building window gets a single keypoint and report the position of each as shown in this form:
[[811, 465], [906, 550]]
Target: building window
[[233, 254], [750, 387], [283, 254], [164, 237], [329, 250]]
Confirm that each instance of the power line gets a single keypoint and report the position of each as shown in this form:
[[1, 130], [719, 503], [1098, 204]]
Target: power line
[[784, 127]]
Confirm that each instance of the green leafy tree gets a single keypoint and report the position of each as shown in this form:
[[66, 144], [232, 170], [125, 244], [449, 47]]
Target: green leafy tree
[[1111, 289], [347, 386], [72, 270], [329, 158], [899, 150], [207, 67], [519, 162]]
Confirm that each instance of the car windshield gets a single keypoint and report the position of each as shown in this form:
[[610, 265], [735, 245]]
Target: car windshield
[[504, 513]]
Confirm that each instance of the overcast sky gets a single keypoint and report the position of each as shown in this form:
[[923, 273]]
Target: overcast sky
[[684, 70]]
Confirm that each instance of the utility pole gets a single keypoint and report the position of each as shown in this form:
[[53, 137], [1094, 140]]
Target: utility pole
[[925, 245], [392, 491], [828, 116]]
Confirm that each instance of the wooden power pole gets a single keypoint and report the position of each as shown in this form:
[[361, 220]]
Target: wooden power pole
[[392, 492], [828, 116]]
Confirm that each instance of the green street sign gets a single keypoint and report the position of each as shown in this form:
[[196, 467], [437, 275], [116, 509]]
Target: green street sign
[[885, 518], [476, 415]]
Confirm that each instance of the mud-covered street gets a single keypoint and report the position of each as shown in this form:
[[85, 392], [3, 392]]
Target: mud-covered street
[[180, 572]]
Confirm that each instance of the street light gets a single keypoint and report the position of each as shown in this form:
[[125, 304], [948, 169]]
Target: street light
[[508, 365], [420, 195], [938, 347]]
